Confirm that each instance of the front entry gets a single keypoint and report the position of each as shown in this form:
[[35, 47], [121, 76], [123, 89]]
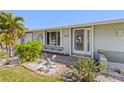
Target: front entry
[[82, 41]]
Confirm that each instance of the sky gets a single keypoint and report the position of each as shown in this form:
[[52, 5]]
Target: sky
[[49, 18]]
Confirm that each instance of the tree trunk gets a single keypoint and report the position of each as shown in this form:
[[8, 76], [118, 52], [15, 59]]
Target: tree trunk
[[6, 47], [11, 50]]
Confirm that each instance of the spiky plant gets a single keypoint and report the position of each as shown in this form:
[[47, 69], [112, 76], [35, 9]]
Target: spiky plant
[[86, 70]]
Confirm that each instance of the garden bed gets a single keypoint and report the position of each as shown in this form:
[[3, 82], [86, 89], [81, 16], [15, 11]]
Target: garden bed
[[45, 69]]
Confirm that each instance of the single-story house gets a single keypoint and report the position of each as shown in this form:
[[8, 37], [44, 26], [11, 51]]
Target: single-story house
[[83, 39]]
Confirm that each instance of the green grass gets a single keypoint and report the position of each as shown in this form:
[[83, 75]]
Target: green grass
[[20, 74]]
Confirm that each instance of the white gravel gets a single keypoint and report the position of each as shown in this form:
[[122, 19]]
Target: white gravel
[[47, 69], [102, 78]]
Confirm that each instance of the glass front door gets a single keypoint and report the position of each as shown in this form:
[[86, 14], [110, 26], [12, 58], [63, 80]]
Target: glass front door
[[81, 40]]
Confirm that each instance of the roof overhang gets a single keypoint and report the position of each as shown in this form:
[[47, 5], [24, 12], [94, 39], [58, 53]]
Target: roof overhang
[[81, 25], [34, 30]]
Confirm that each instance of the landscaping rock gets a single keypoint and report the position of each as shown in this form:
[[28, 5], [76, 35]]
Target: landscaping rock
[[102, 78], [115, 66], [46, 68], [14, 60], [116, 70], [2, 62], [68, 76], [69, 80]]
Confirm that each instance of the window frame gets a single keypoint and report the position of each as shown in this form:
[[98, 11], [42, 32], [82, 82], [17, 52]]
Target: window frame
[[60, 37]]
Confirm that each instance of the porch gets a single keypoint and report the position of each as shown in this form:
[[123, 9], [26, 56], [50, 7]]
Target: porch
[[72, 41]]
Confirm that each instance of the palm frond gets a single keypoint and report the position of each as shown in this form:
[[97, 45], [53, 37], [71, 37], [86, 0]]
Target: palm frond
[[7, 14], [18, 18]]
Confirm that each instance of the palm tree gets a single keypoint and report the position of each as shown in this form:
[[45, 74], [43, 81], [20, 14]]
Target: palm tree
[[12, 26], [4, 40]]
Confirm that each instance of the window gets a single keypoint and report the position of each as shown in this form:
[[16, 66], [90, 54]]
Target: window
[[53, 38]]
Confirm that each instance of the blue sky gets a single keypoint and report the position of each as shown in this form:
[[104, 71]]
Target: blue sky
[[49, 18]]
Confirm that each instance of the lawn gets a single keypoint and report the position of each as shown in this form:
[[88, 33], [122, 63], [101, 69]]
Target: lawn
[[20, 74]]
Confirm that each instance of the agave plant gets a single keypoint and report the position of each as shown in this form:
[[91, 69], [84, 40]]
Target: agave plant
[[86, 70]]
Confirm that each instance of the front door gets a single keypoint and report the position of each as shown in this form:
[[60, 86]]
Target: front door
[[82, 40]]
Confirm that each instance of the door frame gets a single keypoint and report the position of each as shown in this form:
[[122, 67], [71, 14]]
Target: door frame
[[85, 52]]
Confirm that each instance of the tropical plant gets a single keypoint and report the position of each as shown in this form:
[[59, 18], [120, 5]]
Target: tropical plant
[[1, 53], [86, 70], [29, 51], [12, 27], [4, 39], [4, 56]]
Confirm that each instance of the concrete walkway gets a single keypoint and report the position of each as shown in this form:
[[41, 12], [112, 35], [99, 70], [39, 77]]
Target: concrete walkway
[[63, 58]]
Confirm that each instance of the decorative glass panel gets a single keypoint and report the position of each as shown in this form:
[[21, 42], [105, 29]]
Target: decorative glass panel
[[79, 40]]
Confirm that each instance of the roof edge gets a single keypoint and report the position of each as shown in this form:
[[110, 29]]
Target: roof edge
[[120, 20]]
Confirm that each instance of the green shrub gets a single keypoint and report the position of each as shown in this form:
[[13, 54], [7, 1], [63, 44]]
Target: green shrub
[[86, 70], [29, 51]]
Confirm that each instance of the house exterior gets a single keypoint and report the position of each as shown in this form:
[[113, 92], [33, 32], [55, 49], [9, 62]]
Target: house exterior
[[83, 39]]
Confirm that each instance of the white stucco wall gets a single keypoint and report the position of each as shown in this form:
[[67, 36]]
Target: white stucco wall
[[106, 37], [27, 37], [65, 40], [37, 35], [32, 36]]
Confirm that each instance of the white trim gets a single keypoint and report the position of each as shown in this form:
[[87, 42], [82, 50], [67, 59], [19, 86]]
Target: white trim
[[70, 42], [80, 56], [53, 30], [85, 52], [78, 51], [85, 40], [90, 50], [92, 41]]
